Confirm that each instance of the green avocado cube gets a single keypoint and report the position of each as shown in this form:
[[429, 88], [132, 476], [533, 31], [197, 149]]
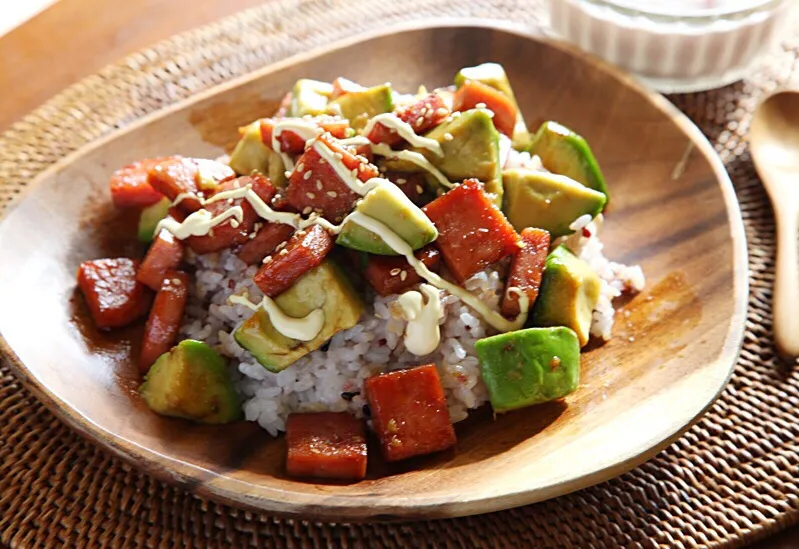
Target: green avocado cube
[[389, 205], [529, 366], [324, 287], [359, 106], [470, 143], [251, 154], [191, 382], [569, 293], [564, 152], [309, 97], [150, 217], [547, 200]]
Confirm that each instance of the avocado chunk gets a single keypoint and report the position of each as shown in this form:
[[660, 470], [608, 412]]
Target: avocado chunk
[[359, 106], [191, 381], [388, 204], [564, 152], [309, 97], [251, 154], [325, 287], [493, 74], [150, 217], [547, 201], [568, 295], [471, 149], [529, 366]]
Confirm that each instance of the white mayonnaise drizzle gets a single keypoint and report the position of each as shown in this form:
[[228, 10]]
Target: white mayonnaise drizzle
[[403, 248], [422, 335], [301, 329], [198, 223], [415, 158], [354, 141], [405, 130], [306, 130], [346, 175]]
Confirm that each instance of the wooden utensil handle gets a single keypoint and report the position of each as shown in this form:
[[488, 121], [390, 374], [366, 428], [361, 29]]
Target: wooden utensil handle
[[786, 282]]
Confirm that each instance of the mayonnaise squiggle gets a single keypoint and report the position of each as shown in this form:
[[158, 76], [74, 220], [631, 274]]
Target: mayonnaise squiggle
[[301, 329], [415, 158], [422, 334], [405, 130], [306, 131], [199, 223], [403, 248]]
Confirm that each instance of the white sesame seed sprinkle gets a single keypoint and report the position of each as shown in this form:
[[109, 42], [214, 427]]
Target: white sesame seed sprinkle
[[401, 181], [338, 155], [332, 194], [481, 106], [284, 251], [448, 136], [403, 275], [300, 166], [420, 121], [176, 281], [318, 185], [310, 195], [419, 189], [307, 175], [267, 259], [307, 210], [442, 111], [395, 272]]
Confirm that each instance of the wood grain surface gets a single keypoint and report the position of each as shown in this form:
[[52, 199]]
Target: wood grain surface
[[108, 31], [674, 348]]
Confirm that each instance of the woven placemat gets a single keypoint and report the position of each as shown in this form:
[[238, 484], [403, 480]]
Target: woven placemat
[[731, 479]]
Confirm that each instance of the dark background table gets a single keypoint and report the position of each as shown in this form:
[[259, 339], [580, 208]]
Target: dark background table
[[75, 38]]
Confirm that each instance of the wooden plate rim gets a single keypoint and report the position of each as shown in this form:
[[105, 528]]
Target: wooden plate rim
[[222, 488]]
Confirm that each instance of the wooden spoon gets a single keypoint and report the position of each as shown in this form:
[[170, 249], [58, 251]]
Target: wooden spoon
[[774, 142]]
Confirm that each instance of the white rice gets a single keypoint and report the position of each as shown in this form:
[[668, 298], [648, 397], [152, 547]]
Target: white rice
[[316, 382]]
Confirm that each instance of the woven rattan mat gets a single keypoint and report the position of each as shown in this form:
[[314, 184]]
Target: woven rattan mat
[[731, 479]]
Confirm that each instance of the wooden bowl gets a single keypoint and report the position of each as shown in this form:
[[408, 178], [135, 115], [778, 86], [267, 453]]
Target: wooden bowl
[[673, 211]]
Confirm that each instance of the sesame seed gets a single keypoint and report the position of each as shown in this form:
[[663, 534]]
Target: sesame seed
[[448, 137], [423, 111], [284, 251], [318, 185], [323, 161], [481, 105], [287, 174], [281, 246], [521, 244], [252, 235], [338, 155], [307, 175], [420, 121], [332, 194], [395, 272], [362, 167], [230, 201], [403, 275], [267, 259], [310, 195], [361, 159], [176, 281], [401, 181], [442, 111], [300, 167], [307, 210], [301, 233], [419, 189]]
